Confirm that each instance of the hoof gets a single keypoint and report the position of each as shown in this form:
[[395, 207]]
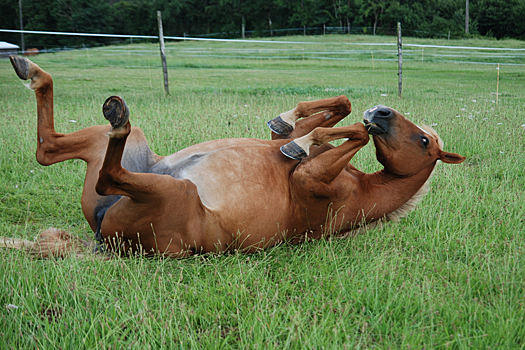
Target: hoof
[[279, 126], [294, 151], [116, 111], [21, 66]]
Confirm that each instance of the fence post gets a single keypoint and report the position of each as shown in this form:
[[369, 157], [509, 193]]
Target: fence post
[[400, 57], [243, 27], [163, 54], [497, 87], [466, 17], [21, 27]]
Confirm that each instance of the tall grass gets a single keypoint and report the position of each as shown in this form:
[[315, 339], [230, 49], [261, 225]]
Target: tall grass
[[451, 275]]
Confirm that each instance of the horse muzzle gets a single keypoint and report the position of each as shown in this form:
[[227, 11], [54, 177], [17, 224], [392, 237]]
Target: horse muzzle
[[377, 120]]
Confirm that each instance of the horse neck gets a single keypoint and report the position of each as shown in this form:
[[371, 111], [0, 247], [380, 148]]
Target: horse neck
[[392, 196]]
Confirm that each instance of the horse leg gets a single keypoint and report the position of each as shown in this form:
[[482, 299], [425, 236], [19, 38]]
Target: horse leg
[[149, 215], [54, 147], [326, 166], [323, 182], [287, 126], [88, 144], [111, 175]]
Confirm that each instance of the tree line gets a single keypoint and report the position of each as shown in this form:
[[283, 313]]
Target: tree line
[[424, 18]]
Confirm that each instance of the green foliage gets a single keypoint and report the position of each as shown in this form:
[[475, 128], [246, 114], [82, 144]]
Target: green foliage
[[224, 18], [501, 18], [134, 17]]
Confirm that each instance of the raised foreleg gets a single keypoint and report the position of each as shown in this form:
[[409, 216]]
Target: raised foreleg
[[321, 113], [323, 182], [325, 167]]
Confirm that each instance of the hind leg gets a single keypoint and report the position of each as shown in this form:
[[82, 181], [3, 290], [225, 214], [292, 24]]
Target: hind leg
[[322, 113], [88, 144], [54, 147], [149, 217]]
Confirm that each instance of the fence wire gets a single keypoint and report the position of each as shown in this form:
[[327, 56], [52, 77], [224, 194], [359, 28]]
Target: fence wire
[[270, 49]]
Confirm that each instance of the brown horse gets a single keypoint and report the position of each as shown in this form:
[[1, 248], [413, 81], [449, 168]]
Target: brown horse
[[243, 194], [31, 52]]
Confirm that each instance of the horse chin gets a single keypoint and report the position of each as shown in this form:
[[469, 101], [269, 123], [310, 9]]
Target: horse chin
[[373, 128]]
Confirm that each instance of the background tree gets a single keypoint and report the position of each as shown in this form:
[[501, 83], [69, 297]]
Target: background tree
[[374, 9], [501, 18], [424, 18]]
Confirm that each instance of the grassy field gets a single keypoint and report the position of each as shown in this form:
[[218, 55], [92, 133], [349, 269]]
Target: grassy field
[[450, 275]]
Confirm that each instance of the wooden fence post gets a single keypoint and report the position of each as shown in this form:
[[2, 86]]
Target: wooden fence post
[[466, 17], [163, 54], [497, 87], [243, 28], [400, 57], [21, 27]]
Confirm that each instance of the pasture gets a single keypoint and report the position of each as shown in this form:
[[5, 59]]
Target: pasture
[[450, 275]]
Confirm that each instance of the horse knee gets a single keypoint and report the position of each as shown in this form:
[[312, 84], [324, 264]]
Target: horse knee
[[344, 104], [302, 110]]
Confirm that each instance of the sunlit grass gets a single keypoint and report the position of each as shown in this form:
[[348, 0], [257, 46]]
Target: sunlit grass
[[449, 275]]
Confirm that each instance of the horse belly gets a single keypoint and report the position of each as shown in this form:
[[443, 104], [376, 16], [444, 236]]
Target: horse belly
[[244, 184], [248, 193], [249, 189]]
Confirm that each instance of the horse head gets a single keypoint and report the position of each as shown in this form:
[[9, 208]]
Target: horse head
[[402, 147]]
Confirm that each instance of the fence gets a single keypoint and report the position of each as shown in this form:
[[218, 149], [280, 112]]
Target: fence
[[324, 31], [300, 50]]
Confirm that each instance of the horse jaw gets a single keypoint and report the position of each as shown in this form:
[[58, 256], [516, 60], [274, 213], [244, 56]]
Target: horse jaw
[[395, 216], [408, 206], [412, 203]]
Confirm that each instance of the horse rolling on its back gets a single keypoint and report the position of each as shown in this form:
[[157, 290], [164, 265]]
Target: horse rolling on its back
[[231, 194]]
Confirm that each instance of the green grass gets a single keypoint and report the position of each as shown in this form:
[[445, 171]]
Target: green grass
[[450, 275]]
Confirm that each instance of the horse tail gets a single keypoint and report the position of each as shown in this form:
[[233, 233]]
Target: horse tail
[[50, 243]]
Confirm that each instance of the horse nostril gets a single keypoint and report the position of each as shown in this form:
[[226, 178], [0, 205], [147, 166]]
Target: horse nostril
[[377, 120], [383, 112], [380, 111]]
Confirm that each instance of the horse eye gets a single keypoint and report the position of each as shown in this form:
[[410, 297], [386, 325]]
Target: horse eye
[[425, 141]]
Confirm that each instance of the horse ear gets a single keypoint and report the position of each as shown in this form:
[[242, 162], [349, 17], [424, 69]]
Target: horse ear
[[451, 158]]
